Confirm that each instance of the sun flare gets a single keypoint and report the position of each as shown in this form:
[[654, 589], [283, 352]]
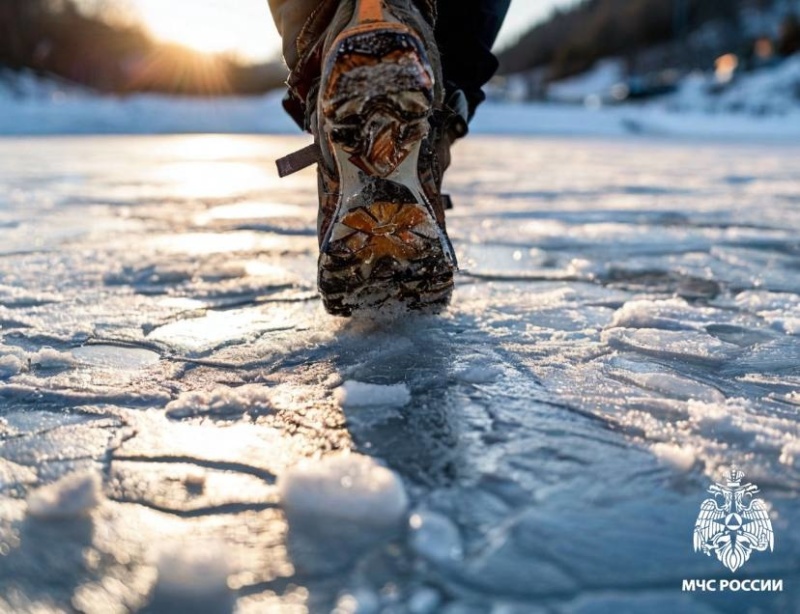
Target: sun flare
[[213, 26]]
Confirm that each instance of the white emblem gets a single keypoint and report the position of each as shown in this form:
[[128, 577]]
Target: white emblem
[[732, 527]]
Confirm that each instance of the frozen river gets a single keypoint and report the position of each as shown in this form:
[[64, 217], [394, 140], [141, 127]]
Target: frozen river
[[183, 429]]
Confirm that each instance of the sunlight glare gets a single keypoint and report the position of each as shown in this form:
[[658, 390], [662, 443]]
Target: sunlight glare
[[214, 179], [214, 26]]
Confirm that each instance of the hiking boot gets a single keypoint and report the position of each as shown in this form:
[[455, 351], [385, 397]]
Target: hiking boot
[[382, 135]]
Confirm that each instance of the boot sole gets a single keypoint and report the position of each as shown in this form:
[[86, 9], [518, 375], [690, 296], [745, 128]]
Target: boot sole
[[384, 245]]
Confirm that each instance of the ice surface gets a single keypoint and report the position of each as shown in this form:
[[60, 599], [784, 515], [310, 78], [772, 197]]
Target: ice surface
[[114, 357], [621, 335]]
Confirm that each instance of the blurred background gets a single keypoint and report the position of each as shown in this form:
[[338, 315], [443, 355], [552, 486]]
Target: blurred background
[[590, 52]]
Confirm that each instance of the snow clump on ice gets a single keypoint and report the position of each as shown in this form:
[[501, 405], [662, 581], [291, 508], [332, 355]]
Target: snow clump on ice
[[349, 488], [359, 394], [193, 580], [681, 458], [435, 537], [48, 358], [10, 366], [73, 496]]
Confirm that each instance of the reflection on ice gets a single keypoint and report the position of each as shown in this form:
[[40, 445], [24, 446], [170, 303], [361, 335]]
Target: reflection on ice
[[115, 357], [209, 180], [253, 210], [213, 243], [218, 328]]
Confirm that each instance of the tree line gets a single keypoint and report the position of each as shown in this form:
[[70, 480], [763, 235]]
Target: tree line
[[572, 40]]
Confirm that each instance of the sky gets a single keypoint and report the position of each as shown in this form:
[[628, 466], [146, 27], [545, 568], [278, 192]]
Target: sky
[[247, 30]]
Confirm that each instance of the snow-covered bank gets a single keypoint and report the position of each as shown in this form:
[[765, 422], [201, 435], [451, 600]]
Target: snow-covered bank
[[41, 108], [558, 120], [63, 113]]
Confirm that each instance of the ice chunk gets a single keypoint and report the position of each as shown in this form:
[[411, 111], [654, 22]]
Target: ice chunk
[[10, 365], [685, 345], [670, 314], [349, 488], [425, 601], [780, 310], [435, 537], [193, 579], [479, 373], [73, 496], [359, 394], [339, 508], [788, 325], [361, 601], [664, 382], [790, 452], [681, 458]]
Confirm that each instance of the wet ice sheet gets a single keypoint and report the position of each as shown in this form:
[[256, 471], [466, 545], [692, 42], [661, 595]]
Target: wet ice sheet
[[625, 328]]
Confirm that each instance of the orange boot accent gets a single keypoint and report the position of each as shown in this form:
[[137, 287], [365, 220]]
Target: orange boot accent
[[369, 11]]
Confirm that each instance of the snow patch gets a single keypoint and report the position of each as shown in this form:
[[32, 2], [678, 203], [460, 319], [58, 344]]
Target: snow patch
[[49, 358], [359, 394], [348, 488], [47, 108], [780, 310], [73, 496], [759, 105]]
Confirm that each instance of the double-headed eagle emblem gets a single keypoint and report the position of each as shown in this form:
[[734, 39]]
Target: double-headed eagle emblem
[[732, 524]]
